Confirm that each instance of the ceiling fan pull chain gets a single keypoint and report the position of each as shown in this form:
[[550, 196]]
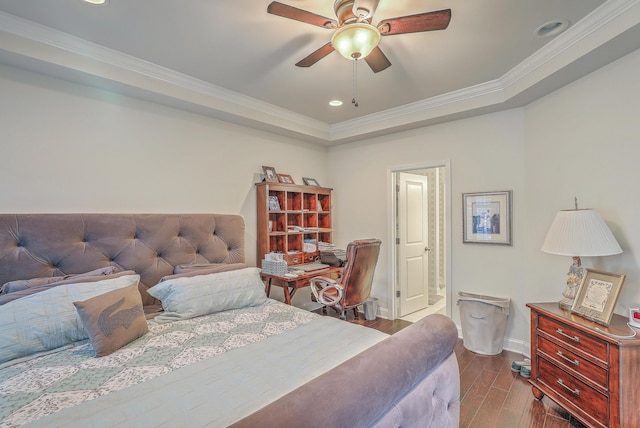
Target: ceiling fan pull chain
[[354, 101]]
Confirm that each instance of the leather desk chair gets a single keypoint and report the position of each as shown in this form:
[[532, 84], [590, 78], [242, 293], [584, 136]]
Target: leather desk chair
[[353, 288]]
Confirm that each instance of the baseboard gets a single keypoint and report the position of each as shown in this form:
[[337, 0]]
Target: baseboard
[[509, 344], [383, 313]]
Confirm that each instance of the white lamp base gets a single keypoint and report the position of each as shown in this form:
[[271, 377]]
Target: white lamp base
[[574, 278]]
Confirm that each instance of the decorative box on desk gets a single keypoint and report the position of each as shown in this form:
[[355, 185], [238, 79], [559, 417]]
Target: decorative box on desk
[[590, 370], [274, 267]]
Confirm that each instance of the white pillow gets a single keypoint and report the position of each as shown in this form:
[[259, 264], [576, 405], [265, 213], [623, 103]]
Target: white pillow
[[49, 320], [189, 297]]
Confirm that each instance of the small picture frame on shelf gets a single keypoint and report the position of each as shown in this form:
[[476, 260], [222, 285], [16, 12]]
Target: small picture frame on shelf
[[270, 174], [597, 296], [486, 217], [285, 178], [274, 203], [310, 181]]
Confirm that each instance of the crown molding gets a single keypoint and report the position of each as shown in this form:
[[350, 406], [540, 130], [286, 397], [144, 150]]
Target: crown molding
[[45, 44], [549, 59], [254, 108], [591, 31], [463, 99]]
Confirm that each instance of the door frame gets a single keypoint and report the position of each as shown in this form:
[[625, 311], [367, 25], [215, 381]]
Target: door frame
[[392, 232]]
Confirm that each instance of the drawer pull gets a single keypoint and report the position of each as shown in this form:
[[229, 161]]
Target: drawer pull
[[569, 360], [573, 391], [574, 338]]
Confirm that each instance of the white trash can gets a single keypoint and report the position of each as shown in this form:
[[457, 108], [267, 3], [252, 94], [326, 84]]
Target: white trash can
[[371, 308], [484, 319]]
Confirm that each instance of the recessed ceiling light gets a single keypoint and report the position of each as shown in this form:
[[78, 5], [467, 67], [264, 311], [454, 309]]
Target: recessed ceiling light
[[552, 28], [96, 1], [335, 103]]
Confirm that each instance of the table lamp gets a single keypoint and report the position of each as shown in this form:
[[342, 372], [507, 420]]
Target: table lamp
[[578, 233]]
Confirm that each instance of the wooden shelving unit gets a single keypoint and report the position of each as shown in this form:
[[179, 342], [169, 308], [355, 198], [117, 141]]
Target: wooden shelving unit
[[303, 213]]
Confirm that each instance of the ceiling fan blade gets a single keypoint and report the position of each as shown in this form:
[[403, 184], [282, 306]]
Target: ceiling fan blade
[[428, 21], [316, 56], [294, 13], [377, 60]]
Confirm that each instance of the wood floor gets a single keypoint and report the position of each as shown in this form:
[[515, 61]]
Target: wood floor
[[492, 396]]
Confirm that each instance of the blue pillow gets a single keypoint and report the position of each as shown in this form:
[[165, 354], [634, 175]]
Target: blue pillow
[[189, 297], [49, 320], [24, 284]]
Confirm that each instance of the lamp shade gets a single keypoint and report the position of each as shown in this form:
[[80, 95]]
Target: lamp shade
[[356, 40], [580, 232]]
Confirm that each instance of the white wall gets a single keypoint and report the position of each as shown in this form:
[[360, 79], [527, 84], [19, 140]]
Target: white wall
[[582, 140], [71, 148], [485, 153]]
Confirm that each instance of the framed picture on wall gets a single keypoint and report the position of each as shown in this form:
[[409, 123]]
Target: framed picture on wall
[[486, 218]]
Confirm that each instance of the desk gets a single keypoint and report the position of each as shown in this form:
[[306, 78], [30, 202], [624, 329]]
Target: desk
[[291, 285]]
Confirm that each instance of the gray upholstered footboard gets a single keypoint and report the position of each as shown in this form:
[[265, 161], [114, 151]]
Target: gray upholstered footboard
[[410, 379]]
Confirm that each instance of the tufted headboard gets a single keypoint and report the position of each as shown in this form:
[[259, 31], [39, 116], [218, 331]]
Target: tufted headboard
[[44, 245]]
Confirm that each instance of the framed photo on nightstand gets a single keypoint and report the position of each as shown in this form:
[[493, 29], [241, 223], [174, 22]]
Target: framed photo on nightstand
[[597, 295]]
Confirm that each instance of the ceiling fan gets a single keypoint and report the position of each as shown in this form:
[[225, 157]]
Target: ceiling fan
[[353, 24]]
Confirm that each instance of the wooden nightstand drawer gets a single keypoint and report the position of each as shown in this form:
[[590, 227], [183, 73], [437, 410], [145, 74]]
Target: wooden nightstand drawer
[[574, 363], [581, 397], [595, 378], [578, 340]]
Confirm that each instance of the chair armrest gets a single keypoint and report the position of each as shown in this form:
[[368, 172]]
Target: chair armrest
[[320, 285], [323, 279]]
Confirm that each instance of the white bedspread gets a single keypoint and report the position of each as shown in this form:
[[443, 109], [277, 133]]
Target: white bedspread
[[209, 371]]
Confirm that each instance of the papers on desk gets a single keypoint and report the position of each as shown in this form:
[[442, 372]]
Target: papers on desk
[[325, 246]]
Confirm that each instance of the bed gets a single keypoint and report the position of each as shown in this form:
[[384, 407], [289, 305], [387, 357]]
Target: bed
[[155, 320]]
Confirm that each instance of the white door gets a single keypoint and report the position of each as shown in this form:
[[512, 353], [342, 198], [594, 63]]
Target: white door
[[413, 239]]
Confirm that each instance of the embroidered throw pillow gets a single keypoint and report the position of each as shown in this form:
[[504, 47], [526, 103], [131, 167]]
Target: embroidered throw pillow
[[113, 319]]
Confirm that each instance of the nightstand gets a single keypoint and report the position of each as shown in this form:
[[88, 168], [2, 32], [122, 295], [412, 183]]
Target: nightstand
[[585, 367]]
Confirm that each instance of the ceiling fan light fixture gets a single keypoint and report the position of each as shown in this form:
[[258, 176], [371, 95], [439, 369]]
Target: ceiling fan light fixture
[[355, 41], [363, 9]]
